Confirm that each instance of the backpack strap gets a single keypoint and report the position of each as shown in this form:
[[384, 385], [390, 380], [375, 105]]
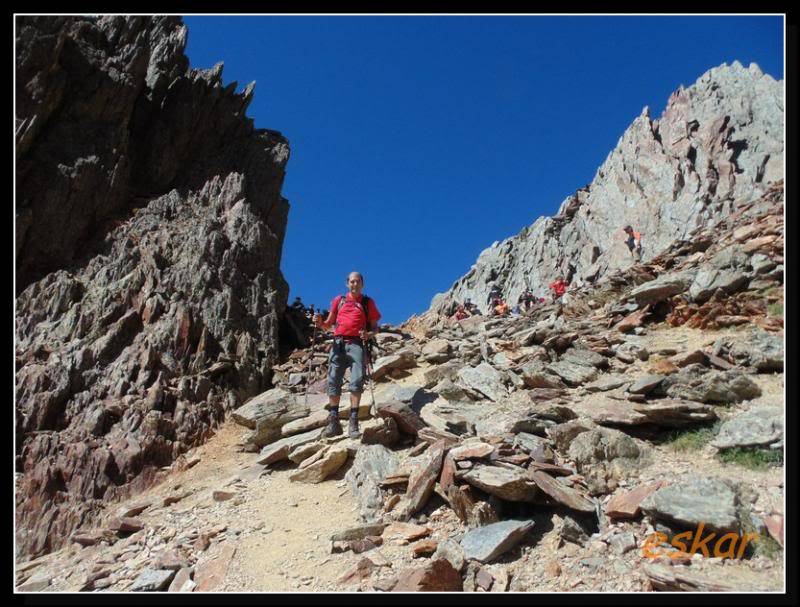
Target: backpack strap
[[365, 307], [339, 304]]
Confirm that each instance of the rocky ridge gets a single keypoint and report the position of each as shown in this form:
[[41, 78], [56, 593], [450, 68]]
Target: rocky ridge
[[149, 230], [717, 145]]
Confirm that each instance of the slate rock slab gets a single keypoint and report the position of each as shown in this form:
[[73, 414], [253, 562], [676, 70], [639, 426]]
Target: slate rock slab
[[506, 483], [371, 465], [573, 374], [758, 427], [280, 449], [485, 379], [152, 580], [661, 288], [489, 542], [645, 384], [696, 382], [697, 500], [563, 494]]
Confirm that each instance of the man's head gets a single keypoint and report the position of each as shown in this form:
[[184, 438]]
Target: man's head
[[355, 283], [628, 229]]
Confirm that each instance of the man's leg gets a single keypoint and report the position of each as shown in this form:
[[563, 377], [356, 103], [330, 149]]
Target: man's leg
[[335, 378], [355, 354]]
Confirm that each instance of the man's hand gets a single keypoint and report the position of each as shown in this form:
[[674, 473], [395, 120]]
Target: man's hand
[[365, 335]]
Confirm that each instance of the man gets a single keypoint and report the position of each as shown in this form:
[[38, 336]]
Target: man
[[558, 287], [494, 293], [353, 326], [634, 242]]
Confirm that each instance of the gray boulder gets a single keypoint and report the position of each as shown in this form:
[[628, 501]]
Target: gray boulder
[[758, 349], [485, 379], [698, 383], [661, 288], [758, 427], [371, 465], [605, 456], [487, 543], [696, 500]]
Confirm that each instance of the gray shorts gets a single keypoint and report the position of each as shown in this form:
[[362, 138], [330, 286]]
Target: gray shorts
[[349, 355]]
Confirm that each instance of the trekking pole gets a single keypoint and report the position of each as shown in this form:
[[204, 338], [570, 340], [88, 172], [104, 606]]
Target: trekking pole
[[310, 359], [368, 368]]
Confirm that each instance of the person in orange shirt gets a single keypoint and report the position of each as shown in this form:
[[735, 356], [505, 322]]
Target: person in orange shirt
[[634, 242], [500, 307]]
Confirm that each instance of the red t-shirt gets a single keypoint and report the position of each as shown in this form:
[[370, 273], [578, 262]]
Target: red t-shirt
[[558, 287], [351, 316]]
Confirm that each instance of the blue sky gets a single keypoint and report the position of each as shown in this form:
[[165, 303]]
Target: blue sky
[[416, 142]]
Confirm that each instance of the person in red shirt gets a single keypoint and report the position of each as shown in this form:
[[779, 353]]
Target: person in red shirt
[[353, 327], [558, 287]]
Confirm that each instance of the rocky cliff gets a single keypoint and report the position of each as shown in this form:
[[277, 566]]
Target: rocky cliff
[[718, 143], [149, 228]]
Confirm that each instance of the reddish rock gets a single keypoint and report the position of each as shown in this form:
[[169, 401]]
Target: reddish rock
[[222, 496], [759, 243], [437, 576], [688, 358], [211, 572], [405, 531], [774, 524], [432, 435], [553, 569], [626, 505], [551, 469], [180, 579], [719, 363], [404, 416], [472, 451], [484, 579], [461, 502], [361, 571], [633, 320], [133, 509], [421, 482], [424, 548], [448, 473], [125, 524], [569, 497], [91, 538]]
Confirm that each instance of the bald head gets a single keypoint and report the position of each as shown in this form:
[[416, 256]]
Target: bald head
[[355, 282]]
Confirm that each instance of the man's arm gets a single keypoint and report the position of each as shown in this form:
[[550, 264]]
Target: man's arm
[[326, 324]]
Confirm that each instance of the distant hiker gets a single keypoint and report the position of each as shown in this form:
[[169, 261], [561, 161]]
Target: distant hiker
[[526, 301], [298, 304], [634, 242], [354, 317], [461, 313], [558, 287], [471, 308], [499, 307], [494, 293]]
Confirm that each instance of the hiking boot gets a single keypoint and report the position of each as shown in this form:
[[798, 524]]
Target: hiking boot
[[352, 428], [334, 428]]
